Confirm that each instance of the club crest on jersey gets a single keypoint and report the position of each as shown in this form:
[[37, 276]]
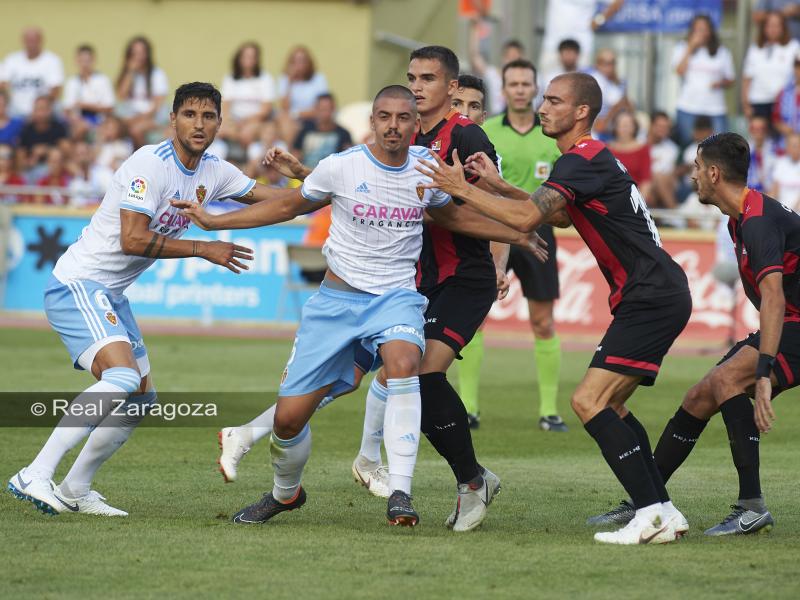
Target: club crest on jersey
[[420, 192], [436, 145], [200, 192], [137, 190], [111, 317]]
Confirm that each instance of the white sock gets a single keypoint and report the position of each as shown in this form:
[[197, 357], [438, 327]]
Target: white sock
[[650, 512], [70, 430], [372, 435], [667, 508], [103, 442], [288, 459], [401, 430], [258, 428]]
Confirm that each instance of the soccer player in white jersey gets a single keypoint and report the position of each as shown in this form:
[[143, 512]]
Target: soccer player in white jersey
[[368, 298], [85, 304]]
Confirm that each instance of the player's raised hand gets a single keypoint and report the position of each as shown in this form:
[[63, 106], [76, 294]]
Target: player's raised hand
[[449, 179], [285, 163], [503, 284], [764, 414], [481, 165], [226, 254], [196, 213]]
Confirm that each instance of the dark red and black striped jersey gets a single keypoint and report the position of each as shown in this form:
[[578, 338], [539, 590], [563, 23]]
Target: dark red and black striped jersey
[[446, 254], [609, 213], [767, 240]]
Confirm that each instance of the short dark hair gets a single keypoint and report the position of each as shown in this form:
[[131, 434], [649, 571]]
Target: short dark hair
[[85, 48], [585, 90], [569, 44], [396, 91], [326, 96], [730, 152], [446, 57], [659, 114], [520, 63], [702, 122], [514, 44], [197, 90], [472, 83]]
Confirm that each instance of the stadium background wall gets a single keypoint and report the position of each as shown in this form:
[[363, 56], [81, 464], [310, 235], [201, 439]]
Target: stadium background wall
[[196, 39]]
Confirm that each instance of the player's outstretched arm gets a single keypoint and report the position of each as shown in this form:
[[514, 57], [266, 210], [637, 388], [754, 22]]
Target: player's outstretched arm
[[481, 165], [137, 240], [284, 206], [469, 222], [522, 216], [773, 306]]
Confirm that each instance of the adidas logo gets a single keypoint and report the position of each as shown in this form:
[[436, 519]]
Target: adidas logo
[[409, 437], [363, 188], [177, 195]]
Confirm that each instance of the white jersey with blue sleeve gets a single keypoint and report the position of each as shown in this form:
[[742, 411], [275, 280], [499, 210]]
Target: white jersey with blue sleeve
[[376, 219], [145, 183]]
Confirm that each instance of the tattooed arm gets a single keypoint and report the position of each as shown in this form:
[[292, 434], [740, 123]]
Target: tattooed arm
[[137, 240]]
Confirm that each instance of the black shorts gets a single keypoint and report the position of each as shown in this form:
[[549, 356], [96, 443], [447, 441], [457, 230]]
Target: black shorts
[[539, 280], [456, 310], [787, 361], [641, 334]]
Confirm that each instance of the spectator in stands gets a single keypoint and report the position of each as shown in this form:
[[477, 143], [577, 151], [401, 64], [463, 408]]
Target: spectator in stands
[[247, 96], [615, 98], [113, 145], [256, 151], [10, 127], [762, 154], [88, 96], [703, 127], [786, 112], [788, 8], [30, 73], [299, 86], [89, 180], [569, 54], [142, 88], [705, 68], [632, 153], [321, 136], [768, 66], [663, 159], [785, 184], [41, 133], [57, 176], [8, 175], [491, 74]]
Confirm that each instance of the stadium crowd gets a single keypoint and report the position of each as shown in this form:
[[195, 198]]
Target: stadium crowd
[[74, 133]]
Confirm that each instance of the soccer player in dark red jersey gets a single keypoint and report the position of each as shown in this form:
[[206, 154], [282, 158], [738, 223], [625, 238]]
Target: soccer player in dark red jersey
[[649, 299], [766, 235]]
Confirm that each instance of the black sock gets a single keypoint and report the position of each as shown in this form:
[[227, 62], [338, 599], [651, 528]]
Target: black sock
[[679, 437], [445, 424], [623, 453], [647, 453], [738, 414]]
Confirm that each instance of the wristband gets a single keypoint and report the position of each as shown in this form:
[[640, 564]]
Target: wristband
[[765, 364]]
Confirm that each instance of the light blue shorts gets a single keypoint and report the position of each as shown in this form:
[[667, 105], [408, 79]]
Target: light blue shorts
[[337, 326], [88, 317]]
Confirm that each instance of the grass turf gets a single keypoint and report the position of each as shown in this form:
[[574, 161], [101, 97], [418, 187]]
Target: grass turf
[[178, 541]]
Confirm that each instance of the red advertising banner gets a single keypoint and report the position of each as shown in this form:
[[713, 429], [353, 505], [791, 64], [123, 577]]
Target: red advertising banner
[[583, 306]]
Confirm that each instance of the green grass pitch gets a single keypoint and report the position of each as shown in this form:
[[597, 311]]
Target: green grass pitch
[[178, 541]]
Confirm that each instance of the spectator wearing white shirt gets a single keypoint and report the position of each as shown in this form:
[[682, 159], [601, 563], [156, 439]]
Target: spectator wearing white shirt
[[88, 96], [247, 96], [298, 89], [768, 66], [763, 153], [30, 73], [615, 98], [706, 69], [89, 180], [113, 145], [142, 88], [786, 174], [492, 75], [663, 159]]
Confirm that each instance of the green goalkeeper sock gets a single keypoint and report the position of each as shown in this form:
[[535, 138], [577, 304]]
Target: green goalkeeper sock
[[469, 373], [548, 367]]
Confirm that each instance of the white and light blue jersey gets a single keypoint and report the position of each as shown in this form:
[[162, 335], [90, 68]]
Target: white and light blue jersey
[[376, 218], [145, 183]]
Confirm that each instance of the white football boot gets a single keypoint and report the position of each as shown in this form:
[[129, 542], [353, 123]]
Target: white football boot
[[37, 490], [492, 483], [372, 475], [90, 504], [641, 530], [233, 448]]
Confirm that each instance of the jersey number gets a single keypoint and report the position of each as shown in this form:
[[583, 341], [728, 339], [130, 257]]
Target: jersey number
[[638, 203]]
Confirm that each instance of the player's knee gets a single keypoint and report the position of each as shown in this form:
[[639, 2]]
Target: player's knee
[[287, 426], [723, 385], [584, 404], [123, 377], [402, 366], [543, 328], [699, 399]]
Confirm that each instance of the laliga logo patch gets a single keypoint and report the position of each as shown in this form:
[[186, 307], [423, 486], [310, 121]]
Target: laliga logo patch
[[200, 192], [111, 317], [137, 190], [436, 146]]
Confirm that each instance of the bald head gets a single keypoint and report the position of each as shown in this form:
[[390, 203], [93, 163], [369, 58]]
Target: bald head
[[396, 92], [584, 90], [32, 39]]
